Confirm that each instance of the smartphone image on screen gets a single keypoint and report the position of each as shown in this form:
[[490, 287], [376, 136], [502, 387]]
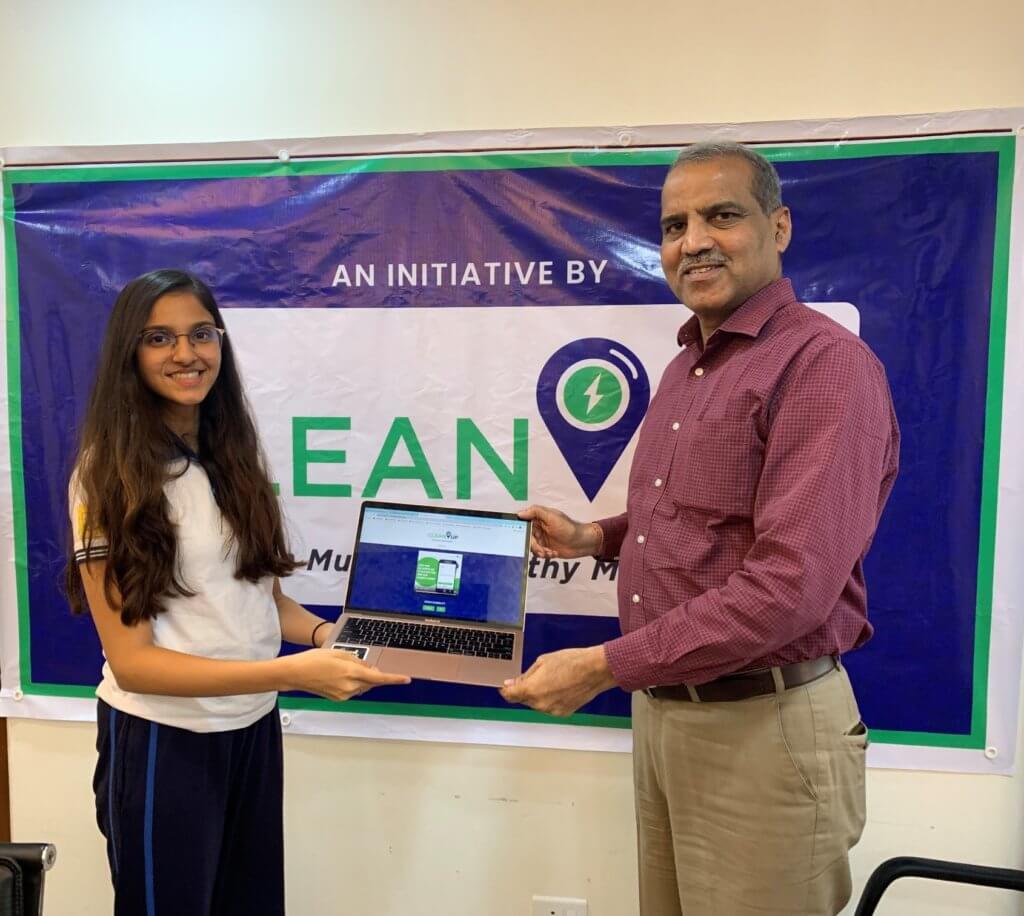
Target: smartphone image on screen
[[447, 572]]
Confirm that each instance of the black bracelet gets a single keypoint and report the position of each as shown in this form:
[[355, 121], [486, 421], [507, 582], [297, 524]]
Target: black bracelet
[[312, 636]]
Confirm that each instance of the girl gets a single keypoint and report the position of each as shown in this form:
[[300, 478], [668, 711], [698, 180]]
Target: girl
[[178, 550]]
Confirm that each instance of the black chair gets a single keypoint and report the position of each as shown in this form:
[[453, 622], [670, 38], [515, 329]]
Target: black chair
[[937, 870], [23, 867]]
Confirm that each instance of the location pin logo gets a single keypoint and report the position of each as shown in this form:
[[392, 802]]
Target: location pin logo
[[592, 394]]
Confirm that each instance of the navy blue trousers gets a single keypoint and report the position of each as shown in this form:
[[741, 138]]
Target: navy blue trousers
[[193, 822]]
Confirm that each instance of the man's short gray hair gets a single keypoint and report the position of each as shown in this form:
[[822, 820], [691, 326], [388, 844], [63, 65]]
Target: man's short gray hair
[[765, 185]]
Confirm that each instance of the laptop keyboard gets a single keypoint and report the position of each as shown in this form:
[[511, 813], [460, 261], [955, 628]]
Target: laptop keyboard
[[398, 634]]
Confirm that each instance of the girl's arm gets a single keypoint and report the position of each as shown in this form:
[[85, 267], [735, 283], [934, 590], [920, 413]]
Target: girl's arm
[[298, 624], [141, 667]]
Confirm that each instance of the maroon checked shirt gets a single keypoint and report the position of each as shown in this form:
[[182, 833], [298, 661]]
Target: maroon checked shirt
[[760, 474]]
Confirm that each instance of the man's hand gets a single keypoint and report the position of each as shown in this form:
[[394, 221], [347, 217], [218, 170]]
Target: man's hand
[[557, 535], [561, 682]]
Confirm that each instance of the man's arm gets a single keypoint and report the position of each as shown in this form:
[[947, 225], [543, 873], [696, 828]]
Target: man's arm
[[826, 475], [820, 494], [559, 683]]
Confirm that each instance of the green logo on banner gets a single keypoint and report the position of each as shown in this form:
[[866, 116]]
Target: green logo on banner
[[592, 395]]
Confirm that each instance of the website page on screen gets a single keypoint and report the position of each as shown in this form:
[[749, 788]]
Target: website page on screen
[[432, 564]]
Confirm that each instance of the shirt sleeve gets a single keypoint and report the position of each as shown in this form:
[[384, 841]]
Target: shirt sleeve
[[829, 464], [88, 545], [613, 530]]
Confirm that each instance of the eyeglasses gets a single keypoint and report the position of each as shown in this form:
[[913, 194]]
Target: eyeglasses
[[201, 336]]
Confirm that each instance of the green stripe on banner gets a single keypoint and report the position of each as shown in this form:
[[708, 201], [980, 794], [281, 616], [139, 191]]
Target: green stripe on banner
[[497, 714], [14, 434], [925, 739], [489, 161], [852, 149], [993, 434], [70, 691]]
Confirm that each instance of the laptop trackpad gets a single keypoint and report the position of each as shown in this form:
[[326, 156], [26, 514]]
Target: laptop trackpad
[[434, 666]]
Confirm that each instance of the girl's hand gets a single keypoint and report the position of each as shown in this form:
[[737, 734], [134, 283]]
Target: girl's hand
[[336, 674]]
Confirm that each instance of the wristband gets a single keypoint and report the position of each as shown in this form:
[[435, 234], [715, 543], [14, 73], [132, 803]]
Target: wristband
[[312, 636]]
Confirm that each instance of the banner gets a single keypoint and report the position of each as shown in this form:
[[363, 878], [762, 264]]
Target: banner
[[437, 328]]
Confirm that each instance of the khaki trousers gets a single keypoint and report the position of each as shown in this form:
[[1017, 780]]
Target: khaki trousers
[[749, 806]]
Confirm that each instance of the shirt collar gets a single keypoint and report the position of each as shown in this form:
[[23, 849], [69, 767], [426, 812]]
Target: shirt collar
[[750, 317]]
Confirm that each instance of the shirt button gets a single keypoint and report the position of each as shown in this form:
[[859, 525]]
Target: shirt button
[[698, 372], [640, 539], [657, 482], [636, 599], [675, 425]]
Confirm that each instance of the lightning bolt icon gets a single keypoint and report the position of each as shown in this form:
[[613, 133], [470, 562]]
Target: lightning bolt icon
[[593, 398]]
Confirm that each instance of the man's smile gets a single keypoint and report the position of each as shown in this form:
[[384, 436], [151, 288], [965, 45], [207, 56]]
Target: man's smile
[[701, 271]]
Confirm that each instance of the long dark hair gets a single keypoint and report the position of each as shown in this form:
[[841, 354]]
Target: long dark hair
[[124, 460]]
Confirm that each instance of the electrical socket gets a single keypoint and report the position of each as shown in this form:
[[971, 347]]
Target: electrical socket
[[559, 906]]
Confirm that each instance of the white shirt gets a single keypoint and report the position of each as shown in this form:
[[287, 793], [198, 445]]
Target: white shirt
[[227, 618]]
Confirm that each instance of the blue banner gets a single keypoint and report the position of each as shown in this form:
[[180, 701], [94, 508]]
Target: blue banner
[[913, 234]]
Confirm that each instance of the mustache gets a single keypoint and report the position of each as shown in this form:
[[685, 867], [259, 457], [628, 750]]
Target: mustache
[[689, 263]]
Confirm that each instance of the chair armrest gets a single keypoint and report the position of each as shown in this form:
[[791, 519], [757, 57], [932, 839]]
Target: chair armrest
[[937, 870]]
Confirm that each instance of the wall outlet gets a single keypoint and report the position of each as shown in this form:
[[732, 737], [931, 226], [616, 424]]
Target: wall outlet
[[559, 906]]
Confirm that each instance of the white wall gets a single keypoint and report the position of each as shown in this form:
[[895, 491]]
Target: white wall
[[423, 828]]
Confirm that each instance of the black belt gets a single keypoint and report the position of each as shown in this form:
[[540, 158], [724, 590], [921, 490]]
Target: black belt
[[746, 684]]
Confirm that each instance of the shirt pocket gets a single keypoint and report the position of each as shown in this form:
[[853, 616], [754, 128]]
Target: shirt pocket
[[716, 469]]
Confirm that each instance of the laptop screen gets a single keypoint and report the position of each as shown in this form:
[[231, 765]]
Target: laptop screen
[[444, 563]]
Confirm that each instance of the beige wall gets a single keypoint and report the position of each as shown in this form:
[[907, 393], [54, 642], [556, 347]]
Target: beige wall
[[424, 828], [114, 71]]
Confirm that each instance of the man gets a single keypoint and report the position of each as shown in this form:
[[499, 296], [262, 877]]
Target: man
[[761, 471]]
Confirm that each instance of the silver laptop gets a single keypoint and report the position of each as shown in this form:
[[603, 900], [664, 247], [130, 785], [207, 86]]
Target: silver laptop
[[437, 593]]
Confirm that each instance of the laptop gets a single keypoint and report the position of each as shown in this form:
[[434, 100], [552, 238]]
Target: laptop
[[437, 593]]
